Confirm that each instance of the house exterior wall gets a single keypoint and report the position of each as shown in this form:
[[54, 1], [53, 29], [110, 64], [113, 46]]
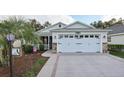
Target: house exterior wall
[[54, 27], [117, 39], [77, 26], [55, 35], [54, 46], [104, 47], [104, 37]]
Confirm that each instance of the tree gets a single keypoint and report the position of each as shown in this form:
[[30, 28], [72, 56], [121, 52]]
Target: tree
[[100, 24], [35, 24], [20, 28], [108, 23], [46, 24], [120, 21], [113, 20], [94, 24]]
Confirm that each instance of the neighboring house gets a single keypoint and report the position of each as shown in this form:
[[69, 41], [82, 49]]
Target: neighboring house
[[75, 37], [116, 36]]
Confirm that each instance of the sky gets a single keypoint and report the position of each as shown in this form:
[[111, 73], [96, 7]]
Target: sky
[[87, 18], [67, 19], [91, 18]]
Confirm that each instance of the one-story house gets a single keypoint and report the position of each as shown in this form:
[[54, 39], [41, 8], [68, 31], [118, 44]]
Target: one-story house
[[75, 37], [116, 36]]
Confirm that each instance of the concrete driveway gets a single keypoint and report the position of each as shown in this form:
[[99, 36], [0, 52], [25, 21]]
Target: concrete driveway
[[85, 65]]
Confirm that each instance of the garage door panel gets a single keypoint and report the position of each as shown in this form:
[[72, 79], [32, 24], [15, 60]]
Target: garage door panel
[[79, 45]]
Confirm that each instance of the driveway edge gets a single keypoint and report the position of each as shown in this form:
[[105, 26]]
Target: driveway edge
[[55, 67], [117, 58]]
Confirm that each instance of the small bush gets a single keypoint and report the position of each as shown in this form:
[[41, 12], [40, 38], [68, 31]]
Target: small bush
[[113, 47], [41, 47], [28, 49]]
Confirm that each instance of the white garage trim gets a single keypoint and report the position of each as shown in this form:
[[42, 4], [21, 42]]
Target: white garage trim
[[79, 43], [101, 49]]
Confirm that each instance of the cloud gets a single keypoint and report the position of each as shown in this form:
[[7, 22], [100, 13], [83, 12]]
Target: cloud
[[108, 17], [51, 18]]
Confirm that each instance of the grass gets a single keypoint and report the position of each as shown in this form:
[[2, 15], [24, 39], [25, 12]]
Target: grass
[[117, 53], [35, 68]]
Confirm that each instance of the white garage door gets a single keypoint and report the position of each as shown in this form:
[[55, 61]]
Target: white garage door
[[78, 43]]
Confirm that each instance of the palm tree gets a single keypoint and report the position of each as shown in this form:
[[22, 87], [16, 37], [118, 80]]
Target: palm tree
[[20, 28]]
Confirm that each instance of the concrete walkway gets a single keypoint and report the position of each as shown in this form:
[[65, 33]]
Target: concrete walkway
[[47, 70], [82, 65]]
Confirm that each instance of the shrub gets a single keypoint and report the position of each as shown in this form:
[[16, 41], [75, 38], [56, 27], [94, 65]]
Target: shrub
[[28, 49], [113, 47], [41, 47]]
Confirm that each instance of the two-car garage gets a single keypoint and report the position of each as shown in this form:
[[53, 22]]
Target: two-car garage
[[78, 43], [79, 37], [75, 37]]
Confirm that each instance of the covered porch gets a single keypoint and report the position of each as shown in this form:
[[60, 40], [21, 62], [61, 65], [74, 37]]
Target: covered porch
[[47, 42], [46, 38]]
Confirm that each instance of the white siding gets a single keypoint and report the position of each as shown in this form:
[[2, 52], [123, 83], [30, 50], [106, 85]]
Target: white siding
[[54, 27], [104, 37], [51, 28], [77, 26], [117, 39], [104, 40], [54, 37]]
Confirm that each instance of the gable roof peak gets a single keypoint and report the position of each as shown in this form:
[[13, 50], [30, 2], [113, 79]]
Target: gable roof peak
[[52, 26], [78, 22]]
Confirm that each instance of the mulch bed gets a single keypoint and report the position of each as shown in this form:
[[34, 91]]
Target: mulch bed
[[21, 64]]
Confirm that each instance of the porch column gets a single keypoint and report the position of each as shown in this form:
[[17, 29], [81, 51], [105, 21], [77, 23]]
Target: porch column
[[48, 42], [45, 43]]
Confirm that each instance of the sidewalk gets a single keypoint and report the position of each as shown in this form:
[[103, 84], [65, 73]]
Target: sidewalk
[[47, 70]]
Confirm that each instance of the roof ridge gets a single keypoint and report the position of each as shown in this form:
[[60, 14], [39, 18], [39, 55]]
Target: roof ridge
[[79, 23], [51, 26]]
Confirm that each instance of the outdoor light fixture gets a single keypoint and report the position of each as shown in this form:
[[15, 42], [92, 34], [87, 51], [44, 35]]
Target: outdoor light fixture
[[104, 36], [10, 38]]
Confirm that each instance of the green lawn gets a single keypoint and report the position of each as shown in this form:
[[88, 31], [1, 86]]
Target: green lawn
[[35, 68], [117, 53]]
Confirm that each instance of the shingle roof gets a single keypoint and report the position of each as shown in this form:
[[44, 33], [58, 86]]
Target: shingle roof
[[80, 29], [78, 22], [51, 26], [117, 28]]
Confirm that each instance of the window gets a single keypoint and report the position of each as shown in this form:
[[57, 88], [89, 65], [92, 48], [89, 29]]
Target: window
[[76, 36], [96, 36], [60, 25], [81, 36], [66, 36], [104, 36], [91, 36], [86, 36], [60, 36], [71, 36]]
